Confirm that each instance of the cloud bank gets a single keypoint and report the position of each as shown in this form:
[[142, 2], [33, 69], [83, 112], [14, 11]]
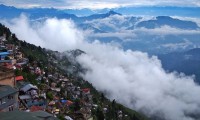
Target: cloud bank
[[131, 77], [118, 26], [51, 34], [161, 31], [94, 4], [139, 82]]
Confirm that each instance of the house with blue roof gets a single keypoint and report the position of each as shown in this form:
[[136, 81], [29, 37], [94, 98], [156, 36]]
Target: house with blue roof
[[3, 55]]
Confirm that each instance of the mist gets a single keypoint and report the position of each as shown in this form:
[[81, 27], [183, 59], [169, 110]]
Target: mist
[[53, 34], [132, 78]]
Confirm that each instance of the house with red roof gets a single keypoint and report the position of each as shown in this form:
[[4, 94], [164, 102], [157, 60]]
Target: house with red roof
[[19, 78], [35, 108], [86, 90]]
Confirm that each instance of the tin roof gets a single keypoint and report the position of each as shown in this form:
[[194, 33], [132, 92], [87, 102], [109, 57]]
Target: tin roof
[[6, 90]]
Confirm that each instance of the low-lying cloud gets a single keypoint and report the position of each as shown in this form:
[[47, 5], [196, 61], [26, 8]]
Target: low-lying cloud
[[167, 30], [139, 82], [131, 77], [51, 33], [164, 30], [122, 27], [177, 46]]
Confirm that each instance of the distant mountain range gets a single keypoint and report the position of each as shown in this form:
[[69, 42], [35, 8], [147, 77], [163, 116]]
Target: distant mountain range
[[155, 35], [166, 20], [138, 11], [34, 13]]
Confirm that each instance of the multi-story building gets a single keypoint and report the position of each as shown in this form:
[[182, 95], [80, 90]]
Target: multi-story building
[[7, 77], [8, 98]]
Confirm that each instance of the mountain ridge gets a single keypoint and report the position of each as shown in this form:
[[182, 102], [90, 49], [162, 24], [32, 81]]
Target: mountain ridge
[[166, 20], [129, 31]]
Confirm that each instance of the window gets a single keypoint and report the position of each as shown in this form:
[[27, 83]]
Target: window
[[3, 100], [10, 97], [11, 108]]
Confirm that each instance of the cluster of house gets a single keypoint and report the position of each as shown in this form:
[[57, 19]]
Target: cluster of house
[[56, 96], [17, 102], [10, 55], [64, 96]]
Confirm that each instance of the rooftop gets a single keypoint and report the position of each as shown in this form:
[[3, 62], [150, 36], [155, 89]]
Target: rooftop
[[20, 115], [19, 78], [28, 87], [85, 90], [4, 53], [6, 90], [35, 108]]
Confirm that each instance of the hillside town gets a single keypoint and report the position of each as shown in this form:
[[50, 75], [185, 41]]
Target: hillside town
[[33, 87]]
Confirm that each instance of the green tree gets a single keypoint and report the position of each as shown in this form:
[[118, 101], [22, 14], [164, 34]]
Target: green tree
[[4, 50], [42, 80], [50, 95], [99, 114], [7, 58], [77, 105], [31, 58], [114, 110], [102, 97]]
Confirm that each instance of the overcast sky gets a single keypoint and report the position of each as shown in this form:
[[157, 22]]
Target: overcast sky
[[98, 4]]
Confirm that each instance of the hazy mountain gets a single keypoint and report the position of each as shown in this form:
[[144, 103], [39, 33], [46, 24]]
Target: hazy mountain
[[35, 13], [100, 16], [166, 20], [187, 62], [161, 34], [152, 35], [9, 12]]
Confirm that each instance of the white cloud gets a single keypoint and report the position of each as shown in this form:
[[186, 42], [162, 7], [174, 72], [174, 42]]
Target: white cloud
[[113, 22], [129, 35], [131, 77], [178, 46], [167, 30], [94, 4], [52, 33], [123, 35], [139, 82], [117, 25]]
